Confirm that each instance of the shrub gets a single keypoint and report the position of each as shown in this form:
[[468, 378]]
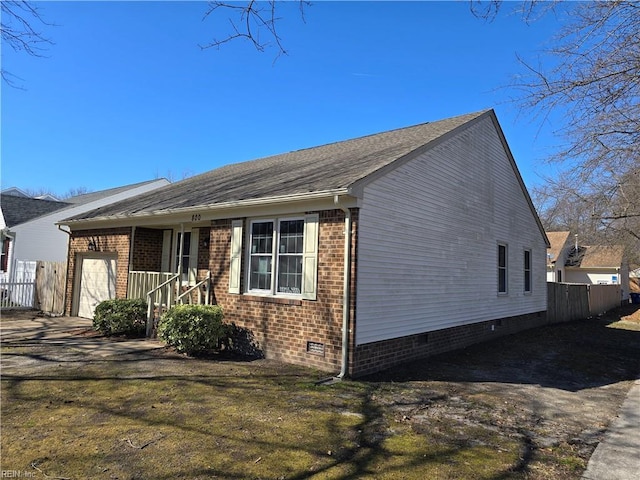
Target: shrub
[[193, 329], [121, 316]]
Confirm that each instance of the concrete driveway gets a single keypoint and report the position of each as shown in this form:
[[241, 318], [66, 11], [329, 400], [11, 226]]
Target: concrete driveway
[[19, 328]]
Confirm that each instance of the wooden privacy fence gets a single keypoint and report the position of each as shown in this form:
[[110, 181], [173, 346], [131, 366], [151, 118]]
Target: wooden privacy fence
[[51, 279], [40, 286], [567, 302]]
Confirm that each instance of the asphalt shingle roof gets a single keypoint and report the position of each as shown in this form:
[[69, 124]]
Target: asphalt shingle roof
[[17, 210], [602, 256], [325, 168], [557, 241]]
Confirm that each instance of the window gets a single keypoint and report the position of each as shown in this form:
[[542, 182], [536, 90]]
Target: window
[[527, 271], [502, 269], [4, 259], [279, 244], [281, 256]]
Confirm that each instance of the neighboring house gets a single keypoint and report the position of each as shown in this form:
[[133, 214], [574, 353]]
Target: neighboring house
[[557, 255], [570, 262], [16, 210], [599, 264], [30, 232], [350, 257]]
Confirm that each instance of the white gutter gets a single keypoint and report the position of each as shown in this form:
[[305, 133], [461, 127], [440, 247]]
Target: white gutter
[[211, 207], [346, 283]]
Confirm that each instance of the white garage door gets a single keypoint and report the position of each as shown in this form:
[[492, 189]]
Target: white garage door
[[97, 283]]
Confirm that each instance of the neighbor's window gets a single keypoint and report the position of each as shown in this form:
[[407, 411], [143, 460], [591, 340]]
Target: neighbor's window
[[276, 256], [527, 271], [502, 268]]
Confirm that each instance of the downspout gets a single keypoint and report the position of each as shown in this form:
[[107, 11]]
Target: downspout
[[346, 284]]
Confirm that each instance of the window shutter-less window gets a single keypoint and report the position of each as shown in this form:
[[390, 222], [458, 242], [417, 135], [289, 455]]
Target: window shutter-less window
[[310, 257], [236, 256], [193, 255]]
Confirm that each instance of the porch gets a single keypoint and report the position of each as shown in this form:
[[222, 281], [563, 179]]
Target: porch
[[163, 290]]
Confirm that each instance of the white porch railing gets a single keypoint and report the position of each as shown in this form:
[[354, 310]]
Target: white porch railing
[[161, 290]]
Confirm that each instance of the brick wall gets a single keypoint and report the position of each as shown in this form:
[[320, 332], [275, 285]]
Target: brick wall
[[373, 357], [280, 328], [147, 245], [114, 240]]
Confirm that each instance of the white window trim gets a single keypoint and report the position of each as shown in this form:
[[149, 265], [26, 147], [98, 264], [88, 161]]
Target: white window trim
[[271, 292]]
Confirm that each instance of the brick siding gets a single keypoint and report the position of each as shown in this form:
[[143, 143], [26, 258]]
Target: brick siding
[[280, 328], [147, 244]]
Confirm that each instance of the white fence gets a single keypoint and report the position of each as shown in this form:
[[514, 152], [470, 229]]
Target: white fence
[[19, 290]]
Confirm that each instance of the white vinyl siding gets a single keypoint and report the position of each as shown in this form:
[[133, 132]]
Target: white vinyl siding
[[427, 240]]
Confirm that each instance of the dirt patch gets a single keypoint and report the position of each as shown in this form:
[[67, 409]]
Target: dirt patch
[[528, 406]]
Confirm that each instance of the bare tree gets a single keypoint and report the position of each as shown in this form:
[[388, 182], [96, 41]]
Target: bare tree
[[20, 28], [590, 79], [43, 192], [253, 21]]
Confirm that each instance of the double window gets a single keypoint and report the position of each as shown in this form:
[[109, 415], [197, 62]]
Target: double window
[[281, 256], [276, 256]]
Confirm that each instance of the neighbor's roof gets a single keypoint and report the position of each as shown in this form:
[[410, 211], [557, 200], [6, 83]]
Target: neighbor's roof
[[17, 210], [557, 241], [93, 196], [599, 256]]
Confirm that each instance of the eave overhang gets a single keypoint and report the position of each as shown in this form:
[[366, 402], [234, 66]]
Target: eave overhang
[[205, 214]]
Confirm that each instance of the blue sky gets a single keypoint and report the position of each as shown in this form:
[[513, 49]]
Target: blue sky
[[126, 94]]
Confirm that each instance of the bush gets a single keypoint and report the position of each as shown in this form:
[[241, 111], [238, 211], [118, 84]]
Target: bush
[[121, 316], [193, 329]]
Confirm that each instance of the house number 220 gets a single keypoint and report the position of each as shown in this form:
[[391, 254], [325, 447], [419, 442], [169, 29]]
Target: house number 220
[[195, 218]]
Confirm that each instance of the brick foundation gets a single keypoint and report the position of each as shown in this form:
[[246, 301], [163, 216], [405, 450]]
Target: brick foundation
[[373, 357]]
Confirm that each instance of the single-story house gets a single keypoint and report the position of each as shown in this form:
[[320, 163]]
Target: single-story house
[[30, 231], [349, 257], [570, 262]]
